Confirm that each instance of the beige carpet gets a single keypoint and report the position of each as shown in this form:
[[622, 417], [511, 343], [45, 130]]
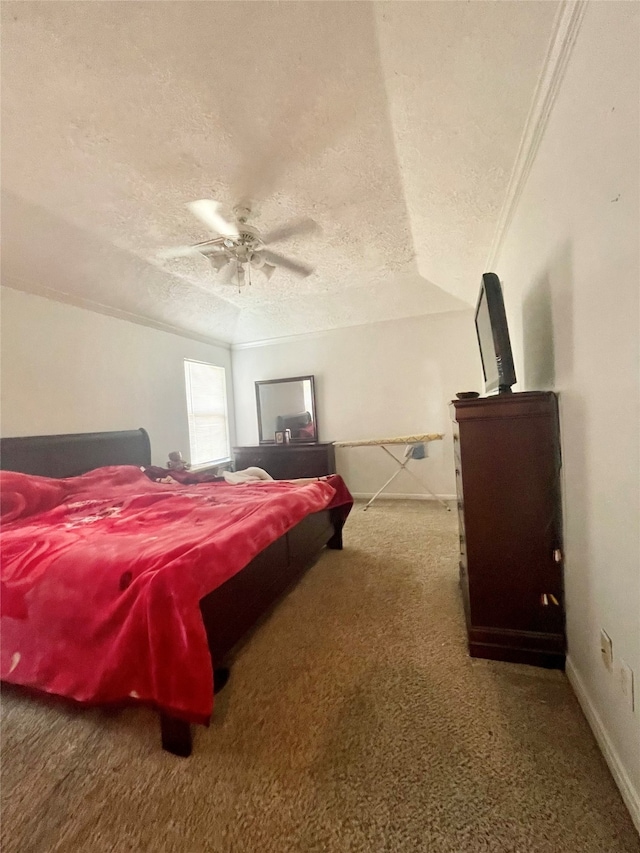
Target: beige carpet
[[354, 721]]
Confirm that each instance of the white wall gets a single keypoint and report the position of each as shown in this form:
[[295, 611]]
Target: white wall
[[66, 369], [571, 274], [387, 379]]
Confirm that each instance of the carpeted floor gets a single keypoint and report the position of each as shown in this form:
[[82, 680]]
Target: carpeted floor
[[354, 721]]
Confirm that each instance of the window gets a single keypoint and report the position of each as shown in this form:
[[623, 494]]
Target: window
[[207, 410]]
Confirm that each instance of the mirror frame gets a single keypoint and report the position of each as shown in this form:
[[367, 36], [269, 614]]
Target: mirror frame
[[314, 413]]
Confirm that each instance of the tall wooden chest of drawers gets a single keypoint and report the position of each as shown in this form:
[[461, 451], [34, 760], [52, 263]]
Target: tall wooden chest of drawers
[[507, 458]]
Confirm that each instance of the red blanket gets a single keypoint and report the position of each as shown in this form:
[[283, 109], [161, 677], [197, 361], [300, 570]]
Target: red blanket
[[102, 575]]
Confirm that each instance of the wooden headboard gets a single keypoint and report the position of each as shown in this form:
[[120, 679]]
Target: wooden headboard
[[70, 455]]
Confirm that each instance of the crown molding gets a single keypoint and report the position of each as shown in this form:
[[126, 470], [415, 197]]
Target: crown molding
[[13, 283], [564, 34], [284, 339]]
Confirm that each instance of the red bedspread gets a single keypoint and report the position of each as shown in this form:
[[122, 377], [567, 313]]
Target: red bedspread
[[102, 575]]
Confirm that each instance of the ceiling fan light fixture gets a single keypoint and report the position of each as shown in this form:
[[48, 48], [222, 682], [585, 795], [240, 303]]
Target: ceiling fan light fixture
[[228, 273], [268, 270], [257, 260], [218, 261]]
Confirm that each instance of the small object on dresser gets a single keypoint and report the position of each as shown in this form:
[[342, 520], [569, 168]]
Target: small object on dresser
[[467, 395], [176, 462], [287, 436], [279, 437]]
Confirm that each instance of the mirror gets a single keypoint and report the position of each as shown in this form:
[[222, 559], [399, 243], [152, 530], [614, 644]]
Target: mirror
[[287, 404]]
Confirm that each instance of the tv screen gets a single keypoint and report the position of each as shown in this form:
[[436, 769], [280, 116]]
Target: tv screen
[[493, 337]]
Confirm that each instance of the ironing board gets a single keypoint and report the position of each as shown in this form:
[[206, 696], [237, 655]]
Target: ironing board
[[410, 442]]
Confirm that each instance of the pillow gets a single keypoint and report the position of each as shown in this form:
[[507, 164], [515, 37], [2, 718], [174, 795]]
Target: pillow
[[22, 495], [248, 475]]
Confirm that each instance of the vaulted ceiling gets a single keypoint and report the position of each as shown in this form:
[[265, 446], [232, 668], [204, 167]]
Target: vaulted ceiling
[[395, 125]]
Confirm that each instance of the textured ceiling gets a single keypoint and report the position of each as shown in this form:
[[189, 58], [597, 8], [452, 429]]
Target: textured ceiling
[[394, 125]]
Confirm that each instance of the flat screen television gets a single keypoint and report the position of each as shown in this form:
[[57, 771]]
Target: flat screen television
[[493, 337]]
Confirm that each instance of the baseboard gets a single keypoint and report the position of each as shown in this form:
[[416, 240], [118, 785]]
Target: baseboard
[[630, 796], [396, 496]]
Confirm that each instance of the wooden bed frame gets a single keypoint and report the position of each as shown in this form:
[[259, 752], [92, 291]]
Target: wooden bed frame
[[230, 610]]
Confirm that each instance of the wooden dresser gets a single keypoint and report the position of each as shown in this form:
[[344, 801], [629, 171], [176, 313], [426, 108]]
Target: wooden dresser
[[507, 457], [288, 461]]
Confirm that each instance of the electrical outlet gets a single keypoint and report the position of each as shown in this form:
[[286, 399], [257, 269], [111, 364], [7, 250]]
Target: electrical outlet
[[606, 649], [626, 684]]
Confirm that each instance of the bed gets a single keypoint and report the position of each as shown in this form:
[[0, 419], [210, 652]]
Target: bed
[[228, 611]]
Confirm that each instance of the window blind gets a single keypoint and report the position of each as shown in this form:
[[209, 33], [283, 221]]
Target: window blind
[[207, 410]]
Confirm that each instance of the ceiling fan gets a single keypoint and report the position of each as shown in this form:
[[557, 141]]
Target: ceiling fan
[[237, 249]]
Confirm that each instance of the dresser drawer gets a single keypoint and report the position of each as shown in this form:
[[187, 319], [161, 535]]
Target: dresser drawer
[[248, 458], [288, 462]]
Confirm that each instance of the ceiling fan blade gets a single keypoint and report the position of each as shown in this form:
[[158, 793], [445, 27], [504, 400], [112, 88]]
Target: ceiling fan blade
[[209, 212], [209, 247], [296, 267], [177, 252], [290, 229]]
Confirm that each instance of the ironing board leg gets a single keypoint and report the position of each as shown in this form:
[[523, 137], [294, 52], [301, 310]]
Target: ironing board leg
[[444, 504], [391, 478], [402, 466]]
